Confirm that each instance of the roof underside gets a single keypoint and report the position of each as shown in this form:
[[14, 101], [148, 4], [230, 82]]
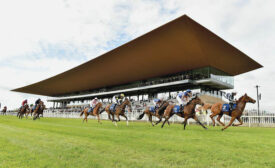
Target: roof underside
[[177, 46]]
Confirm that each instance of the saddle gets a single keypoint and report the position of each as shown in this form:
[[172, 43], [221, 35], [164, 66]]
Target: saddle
[[152, 109], [113, 108], [177, 109], [226, 108], [90, 109], [34, 107]]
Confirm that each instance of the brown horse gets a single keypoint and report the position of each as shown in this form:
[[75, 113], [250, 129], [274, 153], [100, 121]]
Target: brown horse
[[96, 111], [158, 113], [205, 107], [4, 111], [188, 112], [29, 112], [119, 111], [38, 110], [216, 109], [22, 111]]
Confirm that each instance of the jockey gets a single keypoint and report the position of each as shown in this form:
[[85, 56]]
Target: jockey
[[183, 97], [94, 102], [230, 98], [157, 103], [36, 103], [117, 99], [24, 103]]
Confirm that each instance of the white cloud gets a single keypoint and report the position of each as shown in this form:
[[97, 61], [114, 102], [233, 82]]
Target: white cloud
[[40, 39]]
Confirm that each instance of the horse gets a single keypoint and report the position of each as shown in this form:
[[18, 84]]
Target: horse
[[119, 111], [217, 109], [22, 111], [158, 113], [4, 111], [205, 107], [96, 111], [187, 112], [29, 112], [38, 110]]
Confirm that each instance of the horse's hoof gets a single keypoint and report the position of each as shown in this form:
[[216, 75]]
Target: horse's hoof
[[206, 128], [222, 129]]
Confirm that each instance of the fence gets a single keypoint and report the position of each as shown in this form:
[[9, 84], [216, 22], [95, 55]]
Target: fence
[[249, 118]]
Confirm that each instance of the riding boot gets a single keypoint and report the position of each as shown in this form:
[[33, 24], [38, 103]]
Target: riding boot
[[114, 109]]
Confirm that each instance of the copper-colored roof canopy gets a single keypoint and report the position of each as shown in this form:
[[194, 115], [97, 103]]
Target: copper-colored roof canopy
[[177, 46]]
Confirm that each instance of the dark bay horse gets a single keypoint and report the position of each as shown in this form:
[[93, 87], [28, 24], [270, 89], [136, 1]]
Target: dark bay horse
[[216, 109], [188, 112], [96, 111], [23, 111], [119, 111], [158, 113], [38, 110], [4, 111]]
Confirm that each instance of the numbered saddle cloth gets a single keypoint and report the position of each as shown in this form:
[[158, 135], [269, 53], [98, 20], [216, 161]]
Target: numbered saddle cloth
[[226, 107], [176, 109], [112, 107], [90, 110], [152, 109]]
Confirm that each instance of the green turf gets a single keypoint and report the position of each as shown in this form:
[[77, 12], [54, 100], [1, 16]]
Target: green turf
[[53, 142]]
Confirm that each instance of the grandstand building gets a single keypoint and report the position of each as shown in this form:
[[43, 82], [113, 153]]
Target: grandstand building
[[178, 55]]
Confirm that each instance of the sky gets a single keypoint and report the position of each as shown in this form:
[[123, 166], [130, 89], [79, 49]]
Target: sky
[[39, 39]]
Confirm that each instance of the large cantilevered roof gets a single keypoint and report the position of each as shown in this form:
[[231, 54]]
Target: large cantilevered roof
[[177, 46]]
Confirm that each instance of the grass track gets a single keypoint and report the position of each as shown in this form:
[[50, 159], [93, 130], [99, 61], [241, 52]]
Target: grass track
[[55, 142]]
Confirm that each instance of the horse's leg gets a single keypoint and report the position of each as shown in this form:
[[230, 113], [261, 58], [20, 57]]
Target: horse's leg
[[230, 123], [83, 119], [125, 118], [212, 118], [150, 119], [98, 118], [185, 122], [198, 121], [86, 117], [219, 120], [169, 118], [160, 119], [109, 116], [164, 122], [114, 121], [240, 120], [117, 116]]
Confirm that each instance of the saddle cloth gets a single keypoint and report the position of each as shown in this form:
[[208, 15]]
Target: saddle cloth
[[112, 107], [225, 107], [176, 109], [152, 109]]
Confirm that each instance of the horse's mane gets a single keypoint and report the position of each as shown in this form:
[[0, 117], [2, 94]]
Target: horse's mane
[[240, 99], [193, 98]]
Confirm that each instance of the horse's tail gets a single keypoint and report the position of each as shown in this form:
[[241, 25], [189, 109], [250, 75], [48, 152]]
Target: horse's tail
[[141, 116], [101, 111], [82, 113]]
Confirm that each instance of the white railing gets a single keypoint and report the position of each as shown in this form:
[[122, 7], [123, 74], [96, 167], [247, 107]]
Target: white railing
[[250, 121]]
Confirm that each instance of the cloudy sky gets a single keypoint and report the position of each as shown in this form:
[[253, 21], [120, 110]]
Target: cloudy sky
[[39, 39]]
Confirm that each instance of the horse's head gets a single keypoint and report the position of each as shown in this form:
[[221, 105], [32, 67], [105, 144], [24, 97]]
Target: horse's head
[[197, 100], [128, 103], [246, 98]]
